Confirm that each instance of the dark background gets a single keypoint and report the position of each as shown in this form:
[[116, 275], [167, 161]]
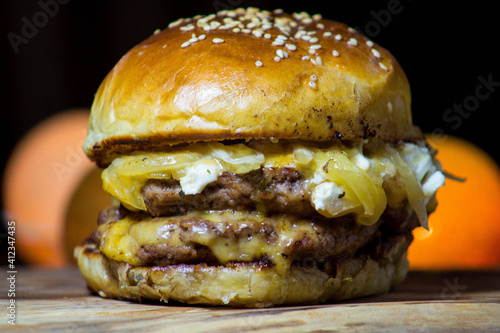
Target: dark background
[[442, 48]]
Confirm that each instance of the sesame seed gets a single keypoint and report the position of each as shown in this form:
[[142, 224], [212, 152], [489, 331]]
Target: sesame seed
[[202, 37], [233, 24], [319, 61], [281, 37], [164, 46], [175, 23], [369, 43], [306, 57], [312, 51], [313, 77], [307, 20], [312, 84], [236, 30], [317, 17], [320, 26], [313, 40], [282, 54], [277, 59], [335, 53], [305, 37], [247, 31], [338, 37], [193, 40], [314, 61], [258, 63], [389, 106], [217, 40], [352, 41], [291, 47], [278, 11], [384, 67], [278, 42], [157, 31], [376, 53], [327, 34], [208, 18], [215, 24], [312, 32], [257, 33], [315, 47], [185, 44], [252, 25], [267, 36]]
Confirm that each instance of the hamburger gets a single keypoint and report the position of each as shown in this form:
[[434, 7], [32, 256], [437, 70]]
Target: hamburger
[[256, 158]]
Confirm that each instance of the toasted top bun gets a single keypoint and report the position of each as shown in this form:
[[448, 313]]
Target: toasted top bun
[[249, 74]]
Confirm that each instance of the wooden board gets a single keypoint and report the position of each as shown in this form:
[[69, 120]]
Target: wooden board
[[58, 300]]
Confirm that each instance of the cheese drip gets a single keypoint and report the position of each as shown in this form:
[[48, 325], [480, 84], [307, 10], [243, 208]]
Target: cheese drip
[[340, 178], [122, 240]]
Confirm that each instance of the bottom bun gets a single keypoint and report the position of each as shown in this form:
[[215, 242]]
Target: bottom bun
[[243, 284]]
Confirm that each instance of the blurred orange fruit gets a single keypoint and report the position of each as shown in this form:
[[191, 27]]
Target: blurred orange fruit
[[464, 231], [46, 190]]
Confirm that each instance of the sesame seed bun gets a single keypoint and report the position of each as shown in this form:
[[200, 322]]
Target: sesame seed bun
[[223, 77]]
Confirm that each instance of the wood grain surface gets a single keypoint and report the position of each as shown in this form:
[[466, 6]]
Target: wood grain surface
[[58, 301]]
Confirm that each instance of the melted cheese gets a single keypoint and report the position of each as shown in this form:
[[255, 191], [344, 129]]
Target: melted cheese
[[341, 179], [122, 240]]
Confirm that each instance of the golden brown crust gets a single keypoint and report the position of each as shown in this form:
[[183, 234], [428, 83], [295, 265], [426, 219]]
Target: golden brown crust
[[164, 91], [241, 284]]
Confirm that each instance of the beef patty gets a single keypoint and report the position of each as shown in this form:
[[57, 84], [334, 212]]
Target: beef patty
[[269, 190], [192, 239]]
